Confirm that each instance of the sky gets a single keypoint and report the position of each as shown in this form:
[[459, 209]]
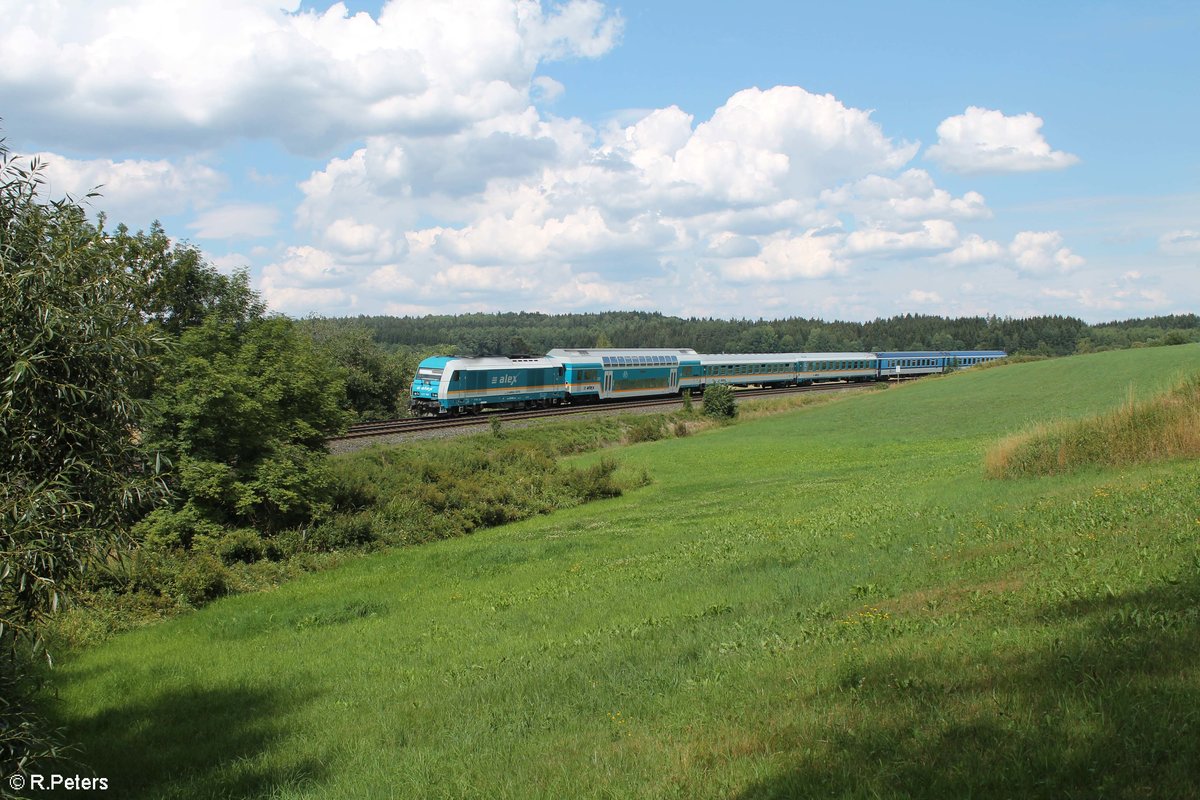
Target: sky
[[755, 159]]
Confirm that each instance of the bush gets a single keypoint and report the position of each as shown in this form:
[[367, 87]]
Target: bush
[[242, 545], [341, 532], [646, 429], [164, 530], [1163, 427], [719, 402], [203, 578], [594, 482]]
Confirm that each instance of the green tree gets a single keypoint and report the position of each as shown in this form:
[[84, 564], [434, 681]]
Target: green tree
[[719, 402], [376, 381], [242, 414], [179, 289], [819, 341], [73, 351]]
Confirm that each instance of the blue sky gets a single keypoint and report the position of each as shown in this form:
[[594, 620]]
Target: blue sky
[[753, 159]]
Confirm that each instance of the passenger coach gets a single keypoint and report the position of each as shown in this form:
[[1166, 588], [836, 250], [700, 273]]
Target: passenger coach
[[593, 374], [787, 369], [929, 362]]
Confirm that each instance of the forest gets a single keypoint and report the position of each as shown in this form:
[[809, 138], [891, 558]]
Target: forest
[[534, 333]]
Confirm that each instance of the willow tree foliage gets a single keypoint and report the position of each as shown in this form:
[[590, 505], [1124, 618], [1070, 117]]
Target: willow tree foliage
[[74, 354], [73, 350]]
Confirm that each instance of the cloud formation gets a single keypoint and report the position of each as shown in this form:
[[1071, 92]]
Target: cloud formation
[[444, 181], [90, 75], [751, 194], [983, 140], [135, 191]]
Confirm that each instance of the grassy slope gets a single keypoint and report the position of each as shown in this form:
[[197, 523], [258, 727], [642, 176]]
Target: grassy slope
[[833, 601]]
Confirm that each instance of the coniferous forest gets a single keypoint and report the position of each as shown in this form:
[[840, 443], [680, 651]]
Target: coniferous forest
[[513, 333]]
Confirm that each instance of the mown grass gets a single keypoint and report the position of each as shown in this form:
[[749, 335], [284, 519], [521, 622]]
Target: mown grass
[[1163, 427], [833, 602]]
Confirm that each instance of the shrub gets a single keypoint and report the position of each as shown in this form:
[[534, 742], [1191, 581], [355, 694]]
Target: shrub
[[164, 530], [242, 545], [202, 578], [340, 532], [646, 429], [719, 402], [594, 482]]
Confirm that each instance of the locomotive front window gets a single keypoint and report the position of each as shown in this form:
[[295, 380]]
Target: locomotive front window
[[427, 374]]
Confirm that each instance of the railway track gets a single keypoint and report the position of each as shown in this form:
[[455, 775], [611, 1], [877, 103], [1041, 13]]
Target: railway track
[[366, 430]]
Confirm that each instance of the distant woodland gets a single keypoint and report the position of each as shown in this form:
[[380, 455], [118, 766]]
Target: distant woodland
[[533, 333]]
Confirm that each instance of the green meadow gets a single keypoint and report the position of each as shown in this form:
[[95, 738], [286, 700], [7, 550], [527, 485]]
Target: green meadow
[[832, 601]]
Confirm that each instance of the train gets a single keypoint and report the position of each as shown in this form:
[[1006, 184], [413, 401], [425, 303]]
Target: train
[[445, 385]]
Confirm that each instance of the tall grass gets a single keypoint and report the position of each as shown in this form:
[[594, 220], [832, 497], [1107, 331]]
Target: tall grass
[[1164, 427]]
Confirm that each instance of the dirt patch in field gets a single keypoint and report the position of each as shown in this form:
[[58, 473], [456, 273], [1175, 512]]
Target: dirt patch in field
[[940, 601]]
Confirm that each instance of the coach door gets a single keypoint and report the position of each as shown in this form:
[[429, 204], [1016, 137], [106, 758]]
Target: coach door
[[674, 380], [608, 383]]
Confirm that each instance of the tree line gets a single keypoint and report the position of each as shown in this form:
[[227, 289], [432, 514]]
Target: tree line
[[534, 333]]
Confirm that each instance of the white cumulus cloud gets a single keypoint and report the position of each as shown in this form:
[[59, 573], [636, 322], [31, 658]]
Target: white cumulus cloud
[[810, 255], [133, 191], [984, 140], [922, 297], [910, 196], [932, 236], [208, 71], [1042, 252]]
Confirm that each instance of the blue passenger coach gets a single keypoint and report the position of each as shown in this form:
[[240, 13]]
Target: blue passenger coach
[[787, 369], [449, 385], [927, 362]]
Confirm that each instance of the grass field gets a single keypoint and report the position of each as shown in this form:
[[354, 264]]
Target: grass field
[[834, 601]]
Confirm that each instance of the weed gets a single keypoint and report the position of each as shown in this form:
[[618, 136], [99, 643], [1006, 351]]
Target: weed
[[1163, 427]]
